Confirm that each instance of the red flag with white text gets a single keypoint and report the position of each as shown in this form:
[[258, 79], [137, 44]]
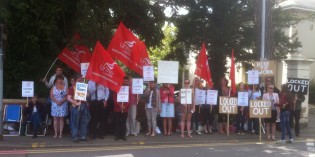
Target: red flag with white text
[[73, 57], [104, 70], [140, 58], [232, 74], [121, 45], [202, 66]]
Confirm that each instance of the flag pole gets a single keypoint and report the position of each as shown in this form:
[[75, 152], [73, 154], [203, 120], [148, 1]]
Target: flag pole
[[50, 67]]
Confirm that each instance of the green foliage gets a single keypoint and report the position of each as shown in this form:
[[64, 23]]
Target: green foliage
[[224, 25], [39, 30]]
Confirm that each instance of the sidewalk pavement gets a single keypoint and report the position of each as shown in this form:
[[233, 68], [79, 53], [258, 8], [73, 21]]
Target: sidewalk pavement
[[27, 142]]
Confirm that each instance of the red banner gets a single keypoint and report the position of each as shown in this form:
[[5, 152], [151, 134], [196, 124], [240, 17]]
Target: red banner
[[73, 58], [140, 58], [121, 45], [232, 74], [202, 66], [104, 70]]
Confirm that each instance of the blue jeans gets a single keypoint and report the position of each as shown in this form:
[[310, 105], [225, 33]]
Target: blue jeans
[[80, 117], [36, 120], [285, 124]]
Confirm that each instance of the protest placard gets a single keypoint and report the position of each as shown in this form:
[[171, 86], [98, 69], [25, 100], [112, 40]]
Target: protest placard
[[186, 96], [265, 68], [228, 105], [123, 94], [260, 109], [212, 97], [80, 91], [168, 72], [297, 85], [253, 77], [148, 73], [84, 68], [137, 86], [27, 88], [200, 96], [242, 98]]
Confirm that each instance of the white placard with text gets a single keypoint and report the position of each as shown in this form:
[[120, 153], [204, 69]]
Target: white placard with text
[[27, 88]]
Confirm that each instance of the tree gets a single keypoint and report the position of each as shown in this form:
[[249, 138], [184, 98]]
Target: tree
[[224, 25], [39, 30]]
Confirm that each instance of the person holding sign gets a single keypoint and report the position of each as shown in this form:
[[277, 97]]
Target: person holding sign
[[98, 108], [197, 86], [59, 107], [242, 110], [253, 123], [152, 107], [187, 108], [80, 115], [223, 90], [207, 113], [285, 105], [271, 122], [121, 113], [167, 112], [131, 123]]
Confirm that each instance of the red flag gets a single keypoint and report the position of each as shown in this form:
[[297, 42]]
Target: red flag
[[232, 74], [104, 70], [140, 58], [121, 45], [202, 66], [74, 57]]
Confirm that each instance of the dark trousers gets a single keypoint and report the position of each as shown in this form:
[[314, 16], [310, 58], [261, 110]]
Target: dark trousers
[[196, 118], [297, 115], [98, 118], [36, 120], [120, 124], [253, 125], [240, 120]]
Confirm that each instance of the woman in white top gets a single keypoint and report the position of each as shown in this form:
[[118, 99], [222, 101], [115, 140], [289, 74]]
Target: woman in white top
[[274, 98]]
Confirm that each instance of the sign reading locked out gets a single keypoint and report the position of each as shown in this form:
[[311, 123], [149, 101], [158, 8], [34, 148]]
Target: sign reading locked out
[[260, 109], [228, 105]]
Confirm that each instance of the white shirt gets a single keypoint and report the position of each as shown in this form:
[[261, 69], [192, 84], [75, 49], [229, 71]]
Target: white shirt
[[102, 92], [149, 104]]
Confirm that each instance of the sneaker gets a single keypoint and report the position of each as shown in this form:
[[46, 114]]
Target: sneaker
[[281, 142], [198, 132], [290, 140], [127, 134], [134, 134]]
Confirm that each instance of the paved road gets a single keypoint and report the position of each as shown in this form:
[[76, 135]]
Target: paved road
[[301, 148]]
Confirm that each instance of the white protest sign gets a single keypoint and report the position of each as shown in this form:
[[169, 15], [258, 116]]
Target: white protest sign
[[123, 94], [242, 98], [148, 73], [168, 72], [253, 77], [228, 105], [260, 109], [80, 91], [137, 86], [186, 96], [200, 96], [27, 88], [84, 68], [212, 97]]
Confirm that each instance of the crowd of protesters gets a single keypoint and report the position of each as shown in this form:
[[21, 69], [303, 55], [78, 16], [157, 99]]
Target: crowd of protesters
[[155, 109]]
